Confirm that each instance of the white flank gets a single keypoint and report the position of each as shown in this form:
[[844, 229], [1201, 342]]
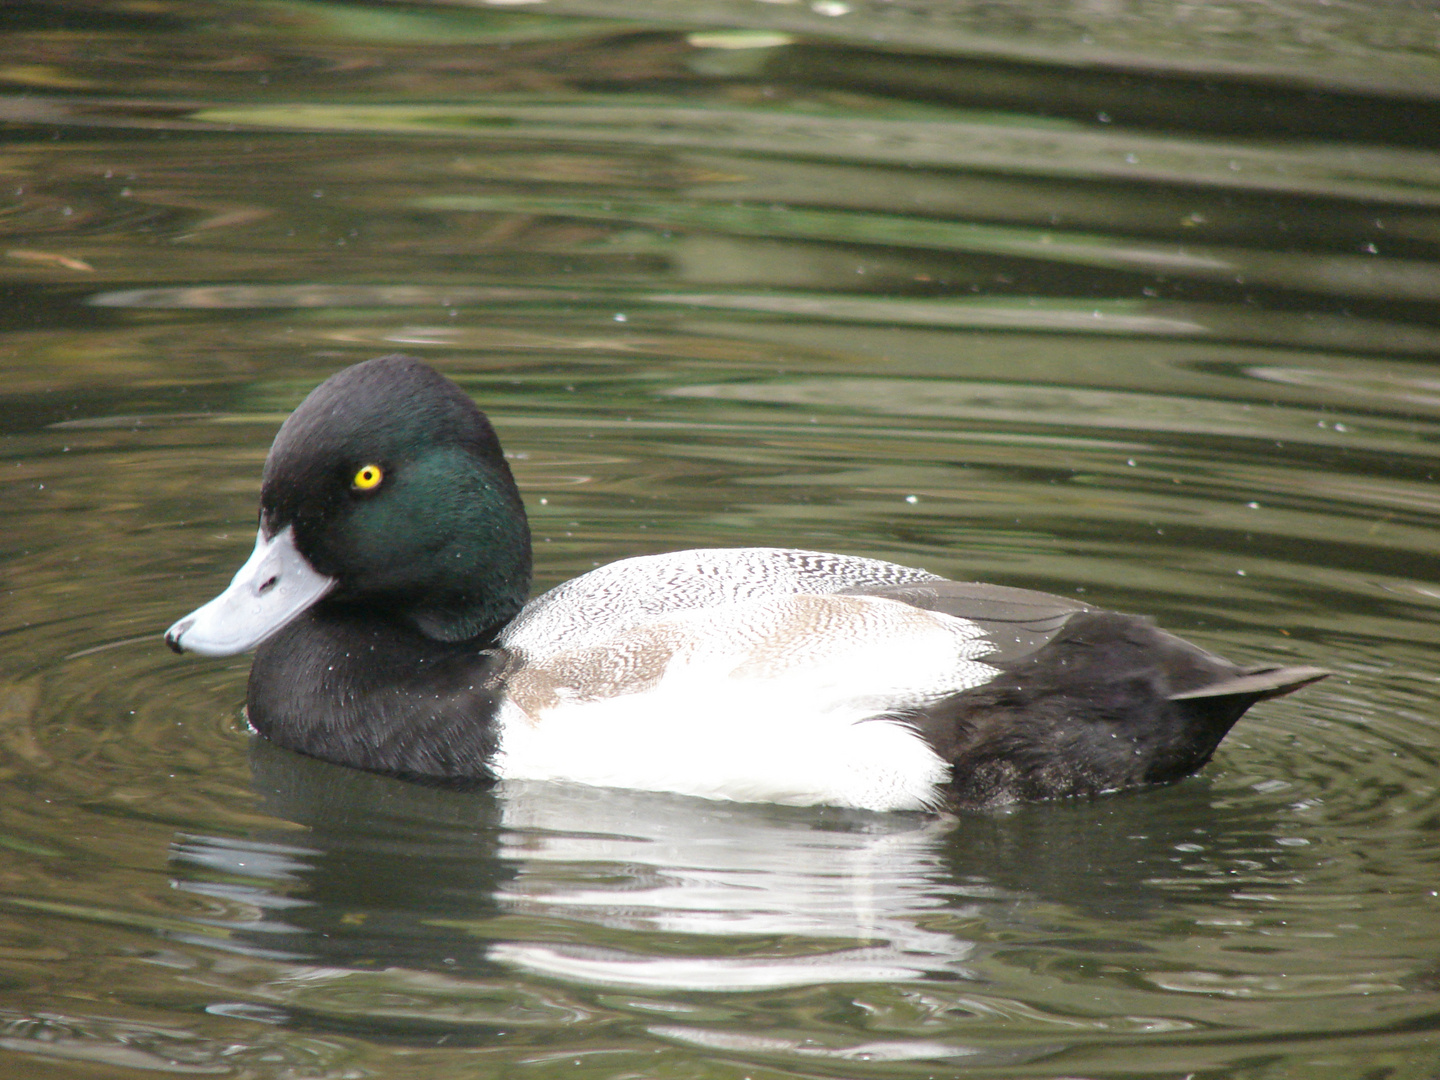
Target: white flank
[[773, 699]]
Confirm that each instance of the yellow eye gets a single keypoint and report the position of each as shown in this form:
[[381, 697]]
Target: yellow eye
[[368, 478]]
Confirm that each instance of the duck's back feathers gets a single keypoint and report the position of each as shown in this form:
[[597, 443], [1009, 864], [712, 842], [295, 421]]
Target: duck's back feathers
[[596, 606]]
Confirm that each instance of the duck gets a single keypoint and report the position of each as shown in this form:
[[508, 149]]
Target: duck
[[387, 604]]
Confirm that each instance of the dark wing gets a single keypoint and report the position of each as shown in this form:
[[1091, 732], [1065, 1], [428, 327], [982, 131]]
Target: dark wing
[[1017, 621]]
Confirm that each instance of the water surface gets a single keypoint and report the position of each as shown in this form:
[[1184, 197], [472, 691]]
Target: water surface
[[1135, 303]]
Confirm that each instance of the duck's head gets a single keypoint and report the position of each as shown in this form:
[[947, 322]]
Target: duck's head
[[385, 490]]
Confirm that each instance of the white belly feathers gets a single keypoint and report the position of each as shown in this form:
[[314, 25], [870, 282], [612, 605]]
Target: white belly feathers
[[777, 698]]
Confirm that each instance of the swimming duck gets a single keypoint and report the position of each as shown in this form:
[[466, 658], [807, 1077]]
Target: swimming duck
[[386, 599]]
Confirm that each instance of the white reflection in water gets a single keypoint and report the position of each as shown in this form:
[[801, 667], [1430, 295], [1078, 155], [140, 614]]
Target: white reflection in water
[[830, 904], [893, 1050]]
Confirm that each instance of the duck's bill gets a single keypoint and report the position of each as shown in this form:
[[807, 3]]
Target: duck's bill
[[276, 584]]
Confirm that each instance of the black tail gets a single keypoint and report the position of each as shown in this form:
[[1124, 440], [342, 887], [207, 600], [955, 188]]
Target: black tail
[[1108, 702]]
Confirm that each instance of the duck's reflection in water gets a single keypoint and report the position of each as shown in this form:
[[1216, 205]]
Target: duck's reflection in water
[[596, 885], [720, 896], [628, 889], [530, 913]]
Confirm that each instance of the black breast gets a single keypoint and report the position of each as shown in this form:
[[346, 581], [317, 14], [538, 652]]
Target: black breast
[[363, 690]]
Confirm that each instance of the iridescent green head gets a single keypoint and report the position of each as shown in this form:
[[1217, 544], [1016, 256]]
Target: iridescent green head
[[386, 490]]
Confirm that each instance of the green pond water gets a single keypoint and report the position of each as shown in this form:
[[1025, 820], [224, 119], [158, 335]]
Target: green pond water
[[1134, 301]]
